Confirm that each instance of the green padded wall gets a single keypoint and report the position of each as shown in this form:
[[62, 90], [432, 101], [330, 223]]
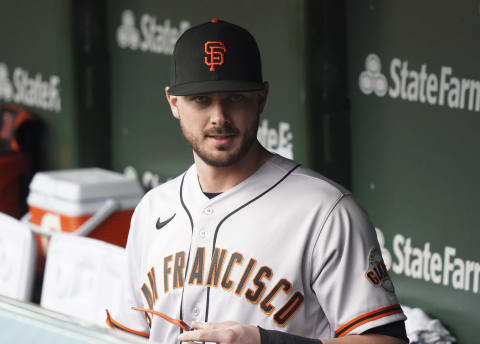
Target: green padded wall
[[53, 63], [36, 71], [415, 107]]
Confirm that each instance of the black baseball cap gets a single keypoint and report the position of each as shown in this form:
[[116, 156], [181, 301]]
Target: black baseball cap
[[216, 56]]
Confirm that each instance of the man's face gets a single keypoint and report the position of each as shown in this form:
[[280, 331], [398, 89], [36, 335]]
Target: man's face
[[220, 127]]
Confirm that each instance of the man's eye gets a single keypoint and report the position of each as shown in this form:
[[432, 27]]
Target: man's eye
[[200, 99], [237, 98]]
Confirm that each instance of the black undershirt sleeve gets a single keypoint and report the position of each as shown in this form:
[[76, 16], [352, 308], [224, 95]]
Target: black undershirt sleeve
[[395, 329], [277, 337]]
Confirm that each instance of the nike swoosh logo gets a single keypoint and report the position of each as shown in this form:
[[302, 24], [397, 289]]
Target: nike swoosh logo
[[159, 224]]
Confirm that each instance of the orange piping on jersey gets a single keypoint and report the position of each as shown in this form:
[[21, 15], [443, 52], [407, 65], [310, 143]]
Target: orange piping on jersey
[[114, 324], [180, 323], [367, 317]]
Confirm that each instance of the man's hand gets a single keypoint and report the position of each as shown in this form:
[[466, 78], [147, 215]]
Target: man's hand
[[231, 332], [226, 332]]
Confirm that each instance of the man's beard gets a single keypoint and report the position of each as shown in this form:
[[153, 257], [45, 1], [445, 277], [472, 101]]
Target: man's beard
[[247, 140]]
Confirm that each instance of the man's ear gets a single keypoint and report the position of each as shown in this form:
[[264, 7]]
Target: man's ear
[[263, 94], [172, 101]]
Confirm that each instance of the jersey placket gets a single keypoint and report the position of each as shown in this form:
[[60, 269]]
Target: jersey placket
[[194, 304]]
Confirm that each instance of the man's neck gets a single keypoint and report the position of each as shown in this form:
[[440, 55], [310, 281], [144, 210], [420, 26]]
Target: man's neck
[[219, 179]]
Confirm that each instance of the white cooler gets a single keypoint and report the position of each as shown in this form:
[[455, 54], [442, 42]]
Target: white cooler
[[90, 202]]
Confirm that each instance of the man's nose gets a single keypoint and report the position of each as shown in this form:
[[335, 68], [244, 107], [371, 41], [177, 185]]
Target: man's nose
[[219, 114]]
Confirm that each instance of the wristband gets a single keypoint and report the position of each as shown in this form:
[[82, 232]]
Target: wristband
[[278, 337]]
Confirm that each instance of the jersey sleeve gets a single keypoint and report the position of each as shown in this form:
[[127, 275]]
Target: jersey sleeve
[[349, 277], [122, 316]]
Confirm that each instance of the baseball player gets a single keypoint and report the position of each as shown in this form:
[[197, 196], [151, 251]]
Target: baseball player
[[247, 246]]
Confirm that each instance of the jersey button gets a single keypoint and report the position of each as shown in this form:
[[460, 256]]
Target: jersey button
[[196, 311], [208, 211], [203, 233]]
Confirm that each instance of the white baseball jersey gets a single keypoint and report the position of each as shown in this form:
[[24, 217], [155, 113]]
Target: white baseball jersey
[[286, 249]]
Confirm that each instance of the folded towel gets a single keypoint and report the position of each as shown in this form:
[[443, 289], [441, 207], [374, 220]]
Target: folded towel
[[422, 329]]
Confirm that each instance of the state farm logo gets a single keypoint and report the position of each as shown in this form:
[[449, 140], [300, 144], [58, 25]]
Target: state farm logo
[[372, 80], [418, 260], [413, 83], [127, 34], [152, 37], [35, 91]]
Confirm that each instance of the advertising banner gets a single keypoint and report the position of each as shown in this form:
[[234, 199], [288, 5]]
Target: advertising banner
[[414, 85]]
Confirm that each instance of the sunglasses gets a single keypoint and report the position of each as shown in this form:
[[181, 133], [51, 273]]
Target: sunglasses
[[177, 322]]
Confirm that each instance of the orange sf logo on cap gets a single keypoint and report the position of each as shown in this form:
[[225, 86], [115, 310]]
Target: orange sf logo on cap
[[215, 51]]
